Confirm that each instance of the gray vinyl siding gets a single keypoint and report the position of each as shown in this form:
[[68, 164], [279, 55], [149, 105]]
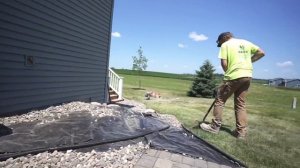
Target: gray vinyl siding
[[293, 83], [69, 41], [277, 82]]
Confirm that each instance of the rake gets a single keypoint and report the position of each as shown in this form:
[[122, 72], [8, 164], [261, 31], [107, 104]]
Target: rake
[[203, 120]]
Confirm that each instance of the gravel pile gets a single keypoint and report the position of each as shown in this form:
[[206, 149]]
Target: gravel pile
[[141, 108], [124, 157], [55, 112]]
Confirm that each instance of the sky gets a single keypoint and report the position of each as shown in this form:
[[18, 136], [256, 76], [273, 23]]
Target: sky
[[177, 36]]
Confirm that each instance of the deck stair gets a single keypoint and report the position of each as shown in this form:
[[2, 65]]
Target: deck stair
[[115, 87]]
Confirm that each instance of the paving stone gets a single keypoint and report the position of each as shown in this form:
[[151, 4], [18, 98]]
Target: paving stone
[[176, 158], [200, 163], [149, 157], [146, 161], [188, 160], [213, 165], [164, 155], [152, 152], [163, 163], [138, 166], [181, 165]]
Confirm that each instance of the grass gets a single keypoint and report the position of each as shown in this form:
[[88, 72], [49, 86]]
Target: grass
[[155, 74], [274, 127]]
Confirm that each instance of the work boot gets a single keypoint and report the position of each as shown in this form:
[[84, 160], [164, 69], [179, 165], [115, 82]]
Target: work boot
[[210, 128], [238, 135]]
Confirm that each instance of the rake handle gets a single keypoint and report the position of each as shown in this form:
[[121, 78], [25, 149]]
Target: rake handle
[[209, 110]]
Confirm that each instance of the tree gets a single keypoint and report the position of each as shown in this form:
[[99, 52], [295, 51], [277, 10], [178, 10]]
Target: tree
[[139, 63], [204, 83]]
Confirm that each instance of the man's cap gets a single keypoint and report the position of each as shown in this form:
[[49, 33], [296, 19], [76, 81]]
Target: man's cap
[[222, 35]]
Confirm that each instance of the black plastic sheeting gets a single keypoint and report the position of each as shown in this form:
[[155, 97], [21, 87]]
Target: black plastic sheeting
[[79, 129], [183, 141], [82, 131]]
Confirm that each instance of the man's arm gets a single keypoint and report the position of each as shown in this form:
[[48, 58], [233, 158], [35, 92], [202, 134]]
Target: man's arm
[[258, 55], [224, 64]]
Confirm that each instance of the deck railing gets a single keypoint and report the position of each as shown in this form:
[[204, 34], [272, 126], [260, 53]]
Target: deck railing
[[116, 83]]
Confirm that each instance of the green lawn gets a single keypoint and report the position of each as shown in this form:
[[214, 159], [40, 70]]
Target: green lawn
[[274, 127]]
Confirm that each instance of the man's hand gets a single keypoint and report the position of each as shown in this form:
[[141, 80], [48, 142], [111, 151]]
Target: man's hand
[[258, 55]]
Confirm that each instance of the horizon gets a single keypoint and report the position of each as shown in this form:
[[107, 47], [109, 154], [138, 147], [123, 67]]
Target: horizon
[[195, 74]]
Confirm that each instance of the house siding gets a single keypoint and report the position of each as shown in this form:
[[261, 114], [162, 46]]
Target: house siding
[[277, 82], [67, 43], [293, 83]]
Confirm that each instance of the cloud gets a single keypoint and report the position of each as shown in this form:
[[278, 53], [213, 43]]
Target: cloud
[[116, 34], [284, 64], [197, 37], [180, 45]]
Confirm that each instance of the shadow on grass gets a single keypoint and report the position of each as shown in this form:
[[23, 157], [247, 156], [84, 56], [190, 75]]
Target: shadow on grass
[[138, 89], [226, 129]]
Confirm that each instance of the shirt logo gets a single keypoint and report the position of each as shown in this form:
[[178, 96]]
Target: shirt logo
[[242, 49]]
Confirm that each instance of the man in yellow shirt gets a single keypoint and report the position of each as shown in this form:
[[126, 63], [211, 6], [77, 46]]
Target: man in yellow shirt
[[237, 56]]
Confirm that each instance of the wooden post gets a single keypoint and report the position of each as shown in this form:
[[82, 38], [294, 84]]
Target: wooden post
[[294, 103]]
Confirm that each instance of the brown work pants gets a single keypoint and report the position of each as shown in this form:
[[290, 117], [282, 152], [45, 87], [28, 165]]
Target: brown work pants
[[239, 88]]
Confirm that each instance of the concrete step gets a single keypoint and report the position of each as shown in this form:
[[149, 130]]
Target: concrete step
[[115, 100], [113, 96]]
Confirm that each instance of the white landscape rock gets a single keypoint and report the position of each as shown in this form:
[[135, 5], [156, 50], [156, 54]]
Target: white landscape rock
[[149, 111]]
